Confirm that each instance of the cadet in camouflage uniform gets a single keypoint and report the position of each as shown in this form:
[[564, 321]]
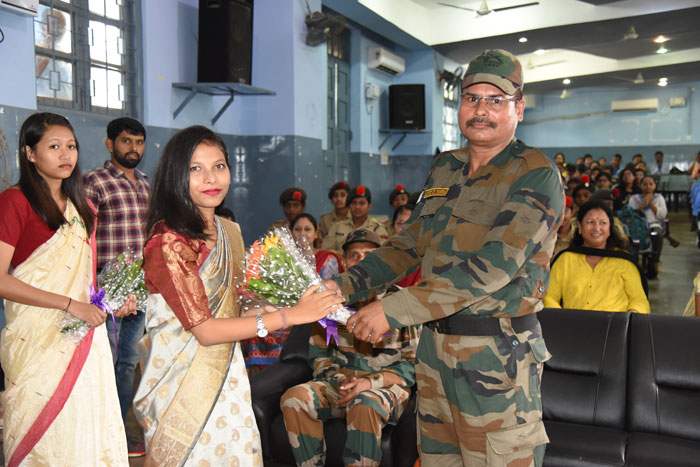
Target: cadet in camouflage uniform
[[359, 202], [367, 384], [293, 201], [483, 232]]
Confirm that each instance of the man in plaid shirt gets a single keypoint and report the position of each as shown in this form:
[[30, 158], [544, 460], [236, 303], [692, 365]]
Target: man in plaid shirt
[[120, 192]]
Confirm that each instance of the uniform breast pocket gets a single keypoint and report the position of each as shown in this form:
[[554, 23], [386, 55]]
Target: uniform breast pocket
[[472, 220], [432, 206]]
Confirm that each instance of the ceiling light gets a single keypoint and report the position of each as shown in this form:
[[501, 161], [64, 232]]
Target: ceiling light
[[631, 33], [660, 39], [662, 83], [564, 94], [639, 79], [566, 81], [540, 52], [662, 50], [522, 40]]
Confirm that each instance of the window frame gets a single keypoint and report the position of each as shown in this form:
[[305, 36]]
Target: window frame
[[130, 69]]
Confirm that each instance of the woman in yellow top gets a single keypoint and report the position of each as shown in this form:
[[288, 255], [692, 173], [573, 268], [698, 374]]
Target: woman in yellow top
[[583, 280]]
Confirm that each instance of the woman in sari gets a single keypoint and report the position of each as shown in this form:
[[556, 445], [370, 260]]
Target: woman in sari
[[60, 401], [194, 398], [328, 263]]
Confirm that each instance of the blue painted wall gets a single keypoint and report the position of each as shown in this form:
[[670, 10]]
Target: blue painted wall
[[583, 123]]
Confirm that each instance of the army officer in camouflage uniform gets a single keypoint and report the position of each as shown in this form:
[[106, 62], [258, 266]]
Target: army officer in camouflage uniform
[[483, 232]]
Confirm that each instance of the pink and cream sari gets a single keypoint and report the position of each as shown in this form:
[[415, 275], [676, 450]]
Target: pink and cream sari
[[60, 400]]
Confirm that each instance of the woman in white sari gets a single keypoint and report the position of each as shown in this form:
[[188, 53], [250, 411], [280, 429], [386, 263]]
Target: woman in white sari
[[194, 398], [60, 400]]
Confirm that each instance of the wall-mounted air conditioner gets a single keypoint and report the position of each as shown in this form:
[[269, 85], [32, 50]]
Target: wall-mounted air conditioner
[[635, 104], [381, 59], [29, 7]]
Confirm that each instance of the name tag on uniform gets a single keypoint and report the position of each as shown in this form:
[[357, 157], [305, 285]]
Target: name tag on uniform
[[432, 192]]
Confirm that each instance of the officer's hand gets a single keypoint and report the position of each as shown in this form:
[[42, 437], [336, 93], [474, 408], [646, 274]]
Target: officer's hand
[[369, 323], [128, 308], [350, 388]]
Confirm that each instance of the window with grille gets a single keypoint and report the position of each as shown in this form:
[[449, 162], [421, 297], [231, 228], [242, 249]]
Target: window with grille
[[450, 120], [85, 52]]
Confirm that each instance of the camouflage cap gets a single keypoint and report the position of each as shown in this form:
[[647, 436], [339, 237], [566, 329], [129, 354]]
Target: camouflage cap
[[362, 235], [498, 67]]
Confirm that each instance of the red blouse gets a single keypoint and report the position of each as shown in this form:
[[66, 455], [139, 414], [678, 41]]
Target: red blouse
[[21, 226], [171, 265]]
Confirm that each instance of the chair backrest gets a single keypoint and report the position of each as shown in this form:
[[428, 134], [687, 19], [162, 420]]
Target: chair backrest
[[585, 380], [664, 376], [297, 345]]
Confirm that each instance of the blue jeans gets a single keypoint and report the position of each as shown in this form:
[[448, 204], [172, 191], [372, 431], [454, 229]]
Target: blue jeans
[[130, 330]]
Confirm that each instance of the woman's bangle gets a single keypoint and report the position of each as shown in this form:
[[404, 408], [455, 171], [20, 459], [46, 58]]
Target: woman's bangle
[[284, 318], [70, 300]]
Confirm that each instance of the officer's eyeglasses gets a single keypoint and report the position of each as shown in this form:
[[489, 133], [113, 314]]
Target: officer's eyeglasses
[[492, 102]]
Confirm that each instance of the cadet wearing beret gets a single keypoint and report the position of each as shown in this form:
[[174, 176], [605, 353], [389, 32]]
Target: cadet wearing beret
[[293, 201], [338, 194]]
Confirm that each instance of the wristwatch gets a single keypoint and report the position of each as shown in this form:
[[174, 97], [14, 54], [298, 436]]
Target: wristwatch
[[262, 330]]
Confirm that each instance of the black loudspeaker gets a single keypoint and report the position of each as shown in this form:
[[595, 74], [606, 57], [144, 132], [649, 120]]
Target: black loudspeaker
[[225, 48], [407, 106]]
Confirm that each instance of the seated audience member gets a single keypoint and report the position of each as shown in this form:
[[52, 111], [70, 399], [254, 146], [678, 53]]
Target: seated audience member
[[569, 171], [368, 385], [653, 205], [626, 188], [594, 173], [693, 306], [567, 228], [603, 180], [560, 160], [338, 194], [398, 196], [641, 165], [636, 159], [593, 274], [293, 201], [401, 216], [639, 174], [360, 202], [606, 197], [588, 160], [659, 163], [328, 263], [571, 184], [694, 169], [603, 163], [581, 194], [616, 165]]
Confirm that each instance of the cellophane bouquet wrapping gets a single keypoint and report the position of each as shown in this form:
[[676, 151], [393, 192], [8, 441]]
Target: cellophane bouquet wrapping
[[118, 279], [277, 272]]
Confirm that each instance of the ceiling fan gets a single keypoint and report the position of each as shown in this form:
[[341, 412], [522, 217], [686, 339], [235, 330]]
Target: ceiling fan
[[484, 9]]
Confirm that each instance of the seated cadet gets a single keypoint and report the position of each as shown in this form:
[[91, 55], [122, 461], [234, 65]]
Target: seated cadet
[[398, 196], [359, 202], [367, 385], [293, 201], [338, 194]]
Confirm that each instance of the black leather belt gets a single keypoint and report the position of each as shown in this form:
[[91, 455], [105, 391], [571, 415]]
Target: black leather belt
[[464, 325]]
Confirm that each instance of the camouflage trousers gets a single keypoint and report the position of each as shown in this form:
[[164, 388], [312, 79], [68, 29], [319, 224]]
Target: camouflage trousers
[[307, 406], [479, 401]]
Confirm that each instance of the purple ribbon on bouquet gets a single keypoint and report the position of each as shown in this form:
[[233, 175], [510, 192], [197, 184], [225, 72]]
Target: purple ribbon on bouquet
[[331, 329], [97, 298]]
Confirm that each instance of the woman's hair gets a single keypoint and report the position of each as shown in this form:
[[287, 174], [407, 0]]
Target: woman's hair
[[614, 241], [579, 187], [170, 195], [622, 176], [303, 215], [33, 185], [397, 211]]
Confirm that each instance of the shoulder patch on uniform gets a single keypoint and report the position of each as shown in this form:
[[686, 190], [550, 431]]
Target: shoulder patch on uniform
[[432, 192]]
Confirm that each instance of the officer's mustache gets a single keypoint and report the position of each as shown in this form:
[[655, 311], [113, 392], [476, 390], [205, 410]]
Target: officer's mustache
[[481, 120]]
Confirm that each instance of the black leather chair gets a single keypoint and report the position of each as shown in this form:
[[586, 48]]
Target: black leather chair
[[398, 442], [663, 399], [584, 387]]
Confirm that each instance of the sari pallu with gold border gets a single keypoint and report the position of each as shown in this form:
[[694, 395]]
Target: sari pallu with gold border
[[60, 400], [194, 401]]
